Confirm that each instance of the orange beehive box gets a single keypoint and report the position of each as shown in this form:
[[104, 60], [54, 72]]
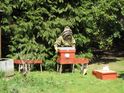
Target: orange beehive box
[[67, 52], [105, 75], [81, 60], [27, 61], [66, 55], [66, 61]]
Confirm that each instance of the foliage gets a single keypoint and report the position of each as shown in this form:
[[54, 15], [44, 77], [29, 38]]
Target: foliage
[[50, 65], [85, 55]]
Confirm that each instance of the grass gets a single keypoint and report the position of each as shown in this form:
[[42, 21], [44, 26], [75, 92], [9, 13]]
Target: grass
[[53, 82]]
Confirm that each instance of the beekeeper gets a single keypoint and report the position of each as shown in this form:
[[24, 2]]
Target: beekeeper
[[66, 39]]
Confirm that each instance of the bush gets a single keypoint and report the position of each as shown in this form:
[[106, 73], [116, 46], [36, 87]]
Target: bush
[[50, 65]]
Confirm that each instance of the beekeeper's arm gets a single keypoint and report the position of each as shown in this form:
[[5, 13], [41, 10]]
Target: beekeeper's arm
[[57, 43], [73, 42]]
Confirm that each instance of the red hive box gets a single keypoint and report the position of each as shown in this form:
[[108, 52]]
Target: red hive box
[[27, 61], [66, 55], [105, 75], [81, 60]]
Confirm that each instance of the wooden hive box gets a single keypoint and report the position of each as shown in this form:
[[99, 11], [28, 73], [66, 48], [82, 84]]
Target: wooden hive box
[[67, 52], [66, 55], [105, 75]]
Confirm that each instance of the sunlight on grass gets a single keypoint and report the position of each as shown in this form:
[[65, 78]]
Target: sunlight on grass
[[54, 82]]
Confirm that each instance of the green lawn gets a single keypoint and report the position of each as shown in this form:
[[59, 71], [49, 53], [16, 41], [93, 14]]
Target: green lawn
[[53, 82]]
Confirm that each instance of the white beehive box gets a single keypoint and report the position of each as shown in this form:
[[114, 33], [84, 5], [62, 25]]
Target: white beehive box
[[7, 66]]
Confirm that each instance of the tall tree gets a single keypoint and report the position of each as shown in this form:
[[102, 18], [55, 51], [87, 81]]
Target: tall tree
[[33, 25]]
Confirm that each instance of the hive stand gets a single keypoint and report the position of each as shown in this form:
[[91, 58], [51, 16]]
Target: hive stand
[[67, 56], [28, 63]]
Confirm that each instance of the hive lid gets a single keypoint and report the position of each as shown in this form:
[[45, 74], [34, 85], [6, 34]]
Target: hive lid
[[66, 48], [102, 71]]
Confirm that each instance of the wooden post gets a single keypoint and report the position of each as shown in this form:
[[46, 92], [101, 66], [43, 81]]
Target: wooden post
[[73, 67], [0, 44], [1, 13], [60, 68]]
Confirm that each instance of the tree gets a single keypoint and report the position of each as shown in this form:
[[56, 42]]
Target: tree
[[33, 25]]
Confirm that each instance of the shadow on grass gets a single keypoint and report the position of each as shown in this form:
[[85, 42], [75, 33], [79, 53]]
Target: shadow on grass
[[66, 68], [121, 75], [105, 60], [105, 57], [115, 53]]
